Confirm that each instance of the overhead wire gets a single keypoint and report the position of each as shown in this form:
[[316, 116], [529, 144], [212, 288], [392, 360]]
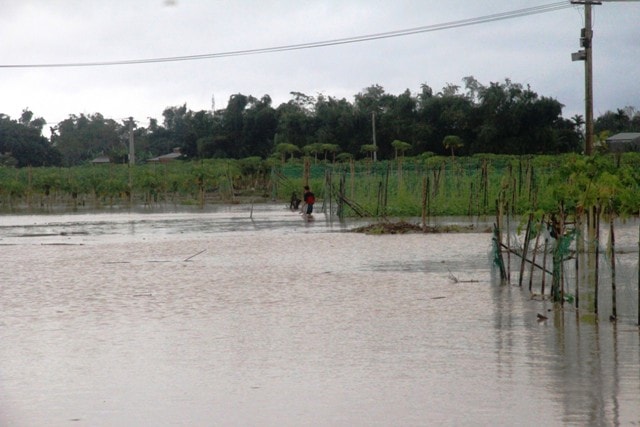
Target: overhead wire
[[551, 7]]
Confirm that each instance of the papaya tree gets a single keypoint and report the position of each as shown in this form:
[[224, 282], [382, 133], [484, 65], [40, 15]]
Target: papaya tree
[[452, 142]]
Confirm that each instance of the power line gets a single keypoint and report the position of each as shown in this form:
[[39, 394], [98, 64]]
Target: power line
[[551, 7]]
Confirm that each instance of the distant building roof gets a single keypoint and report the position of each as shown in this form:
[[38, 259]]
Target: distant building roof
[[101, 160], [624, 136], [167, 157], [625, 141]]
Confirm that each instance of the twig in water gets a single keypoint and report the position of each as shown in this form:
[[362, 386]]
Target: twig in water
[[195, 255], [453, 278]]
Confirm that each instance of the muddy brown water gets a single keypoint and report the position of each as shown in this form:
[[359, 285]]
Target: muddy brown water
[[238, 318]]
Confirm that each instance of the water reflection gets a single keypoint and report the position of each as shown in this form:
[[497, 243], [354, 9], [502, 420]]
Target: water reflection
[[221, 319]]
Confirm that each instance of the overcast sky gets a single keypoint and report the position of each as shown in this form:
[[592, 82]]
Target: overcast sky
[[533, 50]]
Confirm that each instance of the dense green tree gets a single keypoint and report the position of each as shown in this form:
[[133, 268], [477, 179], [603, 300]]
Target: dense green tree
[[260, 125], [178, 122], [336, 123], [622, 120], [82, 138], [513, 120], [503, 117], [21, 142], [295, 120], [447, 113]]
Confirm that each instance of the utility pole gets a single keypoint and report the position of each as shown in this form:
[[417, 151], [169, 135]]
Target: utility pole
[[132, 160], [132, 154], [375, 146], [586, 37]]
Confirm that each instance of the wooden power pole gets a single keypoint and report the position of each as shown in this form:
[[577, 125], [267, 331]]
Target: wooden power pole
[[585, 54], [132, 152], [373, 128]]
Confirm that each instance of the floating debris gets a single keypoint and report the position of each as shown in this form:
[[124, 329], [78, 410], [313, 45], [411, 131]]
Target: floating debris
[[403, 227]]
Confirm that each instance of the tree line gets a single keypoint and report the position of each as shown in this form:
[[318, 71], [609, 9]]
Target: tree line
[[500, 118]]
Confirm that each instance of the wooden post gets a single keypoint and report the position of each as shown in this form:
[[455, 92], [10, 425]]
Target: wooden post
[[535, 250], [579, 252], [352, 179], [557, 260], [340, 208], [306, 171], [424, 202], [330, 193], [509, 247], [544, 263], [562, 228], [386, 190], [612, 242], [597, 256], [470, 208], [485, 185], [497, 236], [525, 249], [428, 196]]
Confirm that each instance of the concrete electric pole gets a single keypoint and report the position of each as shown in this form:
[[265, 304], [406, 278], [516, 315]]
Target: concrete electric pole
[[375, 145], [585, 54], [132, 152]]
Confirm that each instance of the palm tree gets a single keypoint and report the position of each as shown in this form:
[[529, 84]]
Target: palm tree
[[452, 142], [400, 146], [369, 149]]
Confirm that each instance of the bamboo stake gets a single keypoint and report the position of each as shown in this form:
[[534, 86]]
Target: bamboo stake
[[340, 207], [306, 171], [555, 281], [497, 235], [531, 179], [424, 203], [352, 179], [562, 234], [470, 208], [597, 256], [379, 200], [525, 249], [542, 268], [520, 176], [535, 251], [508, 247], [498, 248], [330, 192], [485, 185], [544, 262], [386, 191], [579, 252], [428, 196], [612, 242]]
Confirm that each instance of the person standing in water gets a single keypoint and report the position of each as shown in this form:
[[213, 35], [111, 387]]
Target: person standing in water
[[309, 199]]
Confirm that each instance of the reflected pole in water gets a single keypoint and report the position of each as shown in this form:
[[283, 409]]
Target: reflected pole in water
[[612, 242]]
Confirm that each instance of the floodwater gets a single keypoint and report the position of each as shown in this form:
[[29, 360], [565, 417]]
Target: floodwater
[[234, 317]]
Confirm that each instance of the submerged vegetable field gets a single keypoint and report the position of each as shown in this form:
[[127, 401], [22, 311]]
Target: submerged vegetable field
[[400, 188]]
